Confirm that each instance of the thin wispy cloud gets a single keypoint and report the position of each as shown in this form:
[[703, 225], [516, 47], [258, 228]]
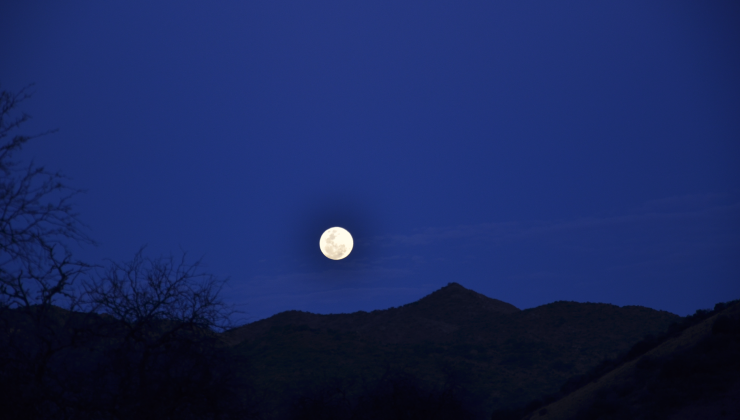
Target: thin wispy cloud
[[664, 210]]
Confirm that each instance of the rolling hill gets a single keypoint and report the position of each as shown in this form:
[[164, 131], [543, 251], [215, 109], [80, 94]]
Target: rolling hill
[[693, 374], [496, 355]]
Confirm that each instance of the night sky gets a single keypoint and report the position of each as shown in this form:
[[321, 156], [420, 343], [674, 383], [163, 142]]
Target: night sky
[[532, 151]]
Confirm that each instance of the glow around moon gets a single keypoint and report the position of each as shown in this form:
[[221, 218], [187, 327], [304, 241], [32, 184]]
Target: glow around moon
[[336, 243]]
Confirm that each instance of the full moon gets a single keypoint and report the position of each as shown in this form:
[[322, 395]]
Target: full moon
[[336, 243]]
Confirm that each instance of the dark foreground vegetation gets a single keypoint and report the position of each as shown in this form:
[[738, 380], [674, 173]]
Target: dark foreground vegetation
[[62, 365], [396, 395]]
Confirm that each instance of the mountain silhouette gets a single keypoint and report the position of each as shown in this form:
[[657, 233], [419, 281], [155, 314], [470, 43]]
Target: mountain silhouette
[[432, 318], [500, 355], [452, 354]]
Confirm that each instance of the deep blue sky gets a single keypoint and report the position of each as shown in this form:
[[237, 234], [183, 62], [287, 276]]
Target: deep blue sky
[[532, 151]]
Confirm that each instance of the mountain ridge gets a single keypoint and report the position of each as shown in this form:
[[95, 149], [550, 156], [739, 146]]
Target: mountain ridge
[[428, 312], [445, 310], [505, 355]]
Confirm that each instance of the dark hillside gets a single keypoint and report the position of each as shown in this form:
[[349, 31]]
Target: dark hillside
[[694, 373], [492, 351]]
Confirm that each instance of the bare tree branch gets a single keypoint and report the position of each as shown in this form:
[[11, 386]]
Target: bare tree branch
[[145, 290], [36, 223], [137, 340]]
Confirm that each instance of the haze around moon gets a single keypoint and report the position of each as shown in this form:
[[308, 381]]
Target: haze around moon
[[336, 243]]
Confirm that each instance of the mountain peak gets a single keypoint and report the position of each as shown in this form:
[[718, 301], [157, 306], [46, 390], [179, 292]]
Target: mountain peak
[[454, 295]]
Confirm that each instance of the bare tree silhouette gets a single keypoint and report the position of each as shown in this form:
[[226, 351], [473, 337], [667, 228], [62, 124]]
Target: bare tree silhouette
[[133, 340], [37, 269], [161, 357], [36, 223]]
